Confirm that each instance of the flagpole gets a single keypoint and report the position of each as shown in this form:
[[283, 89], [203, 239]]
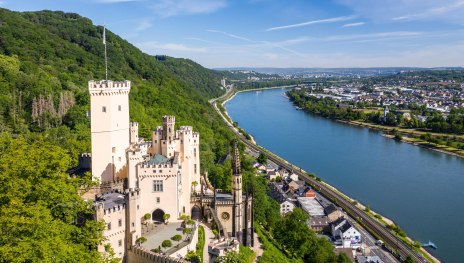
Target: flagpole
[[106, 58]]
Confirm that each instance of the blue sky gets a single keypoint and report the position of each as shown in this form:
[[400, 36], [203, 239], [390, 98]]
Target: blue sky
[[282, 33]]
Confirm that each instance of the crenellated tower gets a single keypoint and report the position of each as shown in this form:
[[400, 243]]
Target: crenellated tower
[[109, 111], [237, 194]]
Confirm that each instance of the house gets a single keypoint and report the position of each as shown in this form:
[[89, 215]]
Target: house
[[332, 212], [272, 175], [259, 166], [345, 234], [283, 172], [286, 207], [310, 193], [319, 224], [293, 177], [295, 185]]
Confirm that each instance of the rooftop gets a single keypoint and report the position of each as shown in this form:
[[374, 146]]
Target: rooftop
[[111, 199], [161, 159], [311, 206]]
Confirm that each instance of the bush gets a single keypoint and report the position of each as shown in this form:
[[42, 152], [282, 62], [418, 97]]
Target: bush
[[398, 137], [166, 243], [177, 238]]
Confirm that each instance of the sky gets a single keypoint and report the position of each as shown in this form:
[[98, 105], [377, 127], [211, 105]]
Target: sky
[[281, 33]]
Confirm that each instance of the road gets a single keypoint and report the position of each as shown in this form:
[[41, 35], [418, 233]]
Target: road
[[373, 226]]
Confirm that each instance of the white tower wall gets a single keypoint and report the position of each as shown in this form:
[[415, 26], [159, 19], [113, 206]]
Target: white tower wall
[[109, 109]]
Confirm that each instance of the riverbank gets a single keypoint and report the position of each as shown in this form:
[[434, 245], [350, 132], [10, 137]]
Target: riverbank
[[411, 140], [360, 206]]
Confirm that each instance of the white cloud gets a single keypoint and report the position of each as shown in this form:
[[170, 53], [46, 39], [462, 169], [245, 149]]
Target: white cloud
[[313, 22], [167, 8], [143, 25], [154, 47], [354, 24]]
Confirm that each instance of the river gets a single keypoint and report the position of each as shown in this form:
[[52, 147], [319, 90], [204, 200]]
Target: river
[[420, 189]]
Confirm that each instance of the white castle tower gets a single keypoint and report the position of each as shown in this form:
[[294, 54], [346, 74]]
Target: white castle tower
[[109, 111]]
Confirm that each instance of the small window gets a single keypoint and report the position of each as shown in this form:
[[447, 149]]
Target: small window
[[113, 149], [195, 168], [157, 185], [133, 224], [156, 141], [120, 222], [119, 158], [120, 242], [108, 226], [158, 200], [154, 171], [103, 109], [119, 107], [138, 207], [195, 152]]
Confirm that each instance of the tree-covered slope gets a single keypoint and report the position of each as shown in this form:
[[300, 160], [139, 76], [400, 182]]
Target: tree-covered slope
[[46, 59]]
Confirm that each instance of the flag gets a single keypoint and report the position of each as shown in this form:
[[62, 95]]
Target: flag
[[104, 35]]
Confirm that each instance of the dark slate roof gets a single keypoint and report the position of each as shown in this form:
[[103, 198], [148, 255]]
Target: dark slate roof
[[111, 199], [330, 209], [345, 226], [338, 221]]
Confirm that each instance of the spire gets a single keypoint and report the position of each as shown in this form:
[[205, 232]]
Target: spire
[[236, 160]]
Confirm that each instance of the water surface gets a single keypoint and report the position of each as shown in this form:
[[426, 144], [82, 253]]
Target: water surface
[[420, 189]]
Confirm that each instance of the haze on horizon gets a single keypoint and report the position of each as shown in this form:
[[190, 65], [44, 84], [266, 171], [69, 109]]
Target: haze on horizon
[[273, 33]]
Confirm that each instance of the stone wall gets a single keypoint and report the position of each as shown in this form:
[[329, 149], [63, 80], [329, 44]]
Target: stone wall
[[141, 255]]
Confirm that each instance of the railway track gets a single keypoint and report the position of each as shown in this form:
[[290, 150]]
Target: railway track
[[359, 215]]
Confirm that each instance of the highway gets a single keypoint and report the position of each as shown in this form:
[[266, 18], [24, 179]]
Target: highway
[[371, 225]]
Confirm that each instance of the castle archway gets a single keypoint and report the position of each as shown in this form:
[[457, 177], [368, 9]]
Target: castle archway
[[196, 213], [157, 215]]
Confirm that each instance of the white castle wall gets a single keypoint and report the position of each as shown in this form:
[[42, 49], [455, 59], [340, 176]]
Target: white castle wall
[[109, 107]]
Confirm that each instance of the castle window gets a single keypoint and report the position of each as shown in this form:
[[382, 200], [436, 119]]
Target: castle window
[[133, 224], [119, 107], [181, 141], [195, 152], [157, 185], [113, 149], [120, 242], [156, 141], [103, 109], [119, 158], [195, 168], [154, 171], [158, 200], [120, 222], [183, 209], [108, 226], [138, 207]]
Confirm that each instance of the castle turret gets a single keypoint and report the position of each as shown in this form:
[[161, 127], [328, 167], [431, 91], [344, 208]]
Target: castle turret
[[134, 132], [168, 127], [133, 227], [237, 194], [109, 109]]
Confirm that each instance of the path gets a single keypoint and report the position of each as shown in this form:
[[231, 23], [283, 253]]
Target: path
[[208, 237], [257, 248]]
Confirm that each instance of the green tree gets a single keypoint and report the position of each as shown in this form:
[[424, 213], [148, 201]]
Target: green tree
[[262, 158]]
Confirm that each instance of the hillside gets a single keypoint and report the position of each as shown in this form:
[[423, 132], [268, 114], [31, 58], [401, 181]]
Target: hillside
[[46, 59]]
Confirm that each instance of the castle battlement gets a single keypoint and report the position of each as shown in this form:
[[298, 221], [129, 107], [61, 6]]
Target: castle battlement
[[108, 84], [169, 118], [144, 165]]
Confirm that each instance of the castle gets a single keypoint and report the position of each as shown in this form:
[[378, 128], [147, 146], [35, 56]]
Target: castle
[[156, 178]]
